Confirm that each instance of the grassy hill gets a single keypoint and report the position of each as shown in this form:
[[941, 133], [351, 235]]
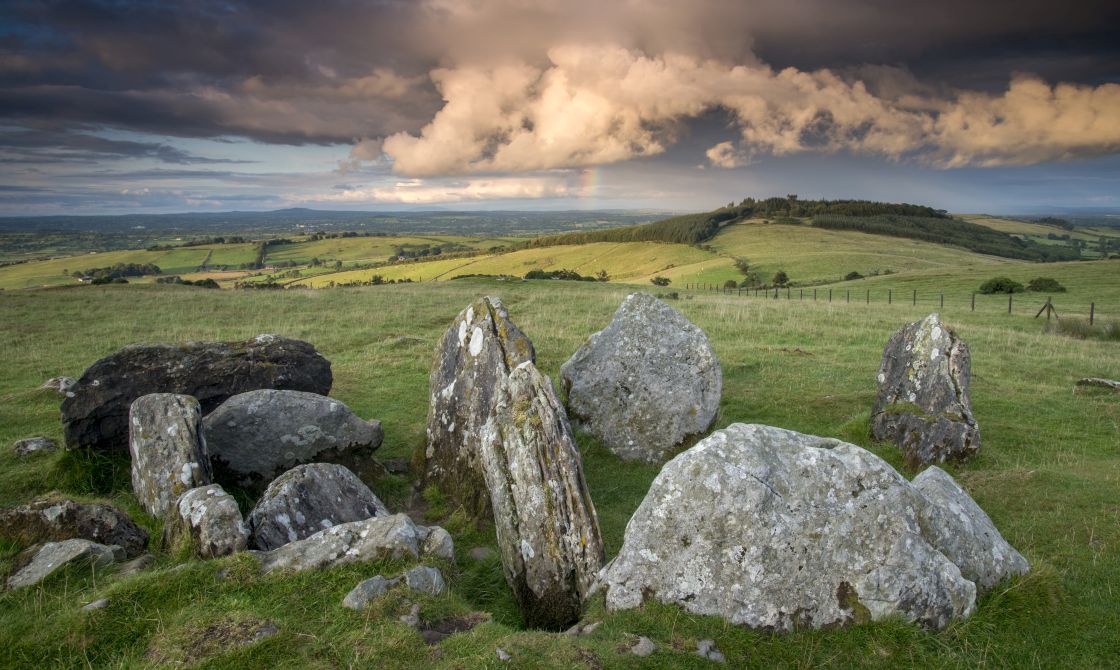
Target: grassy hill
[[1048, 474]]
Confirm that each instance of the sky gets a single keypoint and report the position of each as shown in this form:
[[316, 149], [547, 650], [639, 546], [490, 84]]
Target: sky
[[131, 107]]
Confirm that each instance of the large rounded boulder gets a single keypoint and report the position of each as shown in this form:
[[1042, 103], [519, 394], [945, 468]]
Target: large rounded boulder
[[95, 411], [777, 530], [646, 383], [54, 519], [254, 437], [307, 499], [472, 360]]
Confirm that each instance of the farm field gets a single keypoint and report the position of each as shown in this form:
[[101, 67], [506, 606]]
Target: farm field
[[1048, 474], [181, 260]]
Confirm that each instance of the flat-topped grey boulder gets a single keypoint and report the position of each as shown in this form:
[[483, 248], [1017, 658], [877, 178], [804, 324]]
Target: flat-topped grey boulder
[[472, 359], [548, 532], [645, 384], [307, 499], [168, 451], [776, 530], [54, 519], [206, 522], [254, 437], [377, 538], [923, 402], [958, 528], [35, 445], [96, 415], [54, 556]]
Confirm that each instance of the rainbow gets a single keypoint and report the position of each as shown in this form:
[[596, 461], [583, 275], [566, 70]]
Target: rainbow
[[590, 180]]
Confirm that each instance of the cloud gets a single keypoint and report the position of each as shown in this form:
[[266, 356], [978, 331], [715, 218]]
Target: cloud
[[451, 87], [420, 192], [725, 155], [596, 105]]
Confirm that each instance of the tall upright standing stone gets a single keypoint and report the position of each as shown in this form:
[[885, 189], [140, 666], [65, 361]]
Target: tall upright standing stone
[[923, 402], [168, 451], [548, 532], [474, 357], [646, 383]]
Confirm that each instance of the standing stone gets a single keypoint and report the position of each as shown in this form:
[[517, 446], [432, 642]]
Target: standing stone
[[207, 521], [778, 530], [379, 538], [958, 528], [256, 436], [548, 532], [56, 555], [472, 360], [646, 383], [168, 451], [307, 499], [55, 519], [923, 404], [96, 415]]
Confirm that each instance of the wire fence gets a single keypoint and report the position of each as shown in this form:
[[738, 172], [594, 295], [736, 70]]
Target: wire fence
[[1011, 303]]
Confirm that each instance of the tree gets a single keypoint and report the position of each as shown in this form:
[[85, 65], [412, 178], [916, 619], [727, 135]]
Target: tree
[[742, 265], [781, 278], [1001, 285], [730, 284], [660, 281], [602, 275], [852, 275], [1046, 284]]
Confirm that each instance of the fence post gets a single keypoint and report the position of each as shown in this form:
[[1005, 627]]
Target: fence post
[[775, 292], [814, 295], [890, 296], [915, 302], [942, 301], [830, 295], [788, 293], [1092, 308], [868, 296], [802, 294], [974, 301], [1009, 296]]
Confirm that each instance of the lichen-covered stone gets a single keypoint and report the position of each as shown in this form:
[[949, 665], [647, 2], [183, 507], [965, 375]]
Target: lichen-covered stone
[[207, 520], [168, 451], [472, 360], [307, 499], [367, 591], [776, 530], [548, 532], [425, 579], [35, 445], [923, 403], [253, 437], [56, 519], [646, 383], [60, 385], [377, 538], [54, 556], [957, 527], [95, 416]]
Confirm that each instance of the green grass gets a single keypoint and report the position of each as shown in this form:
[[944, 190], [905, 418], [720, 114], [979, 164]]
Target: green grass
[[1048, 474]]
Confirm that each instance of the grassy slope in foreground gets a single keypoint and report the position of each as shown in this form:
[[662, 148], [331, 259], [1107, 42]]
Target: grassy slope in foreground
[[1048, 474]]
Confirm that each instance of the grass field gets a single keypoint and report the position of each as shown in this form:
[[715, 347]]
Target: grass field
[[370, 249], [56, 272], [1048, 474]]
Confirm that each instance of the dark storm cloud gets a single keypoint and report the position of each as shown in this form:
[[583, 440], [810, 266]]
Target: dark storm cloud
[[452, 86], [46, 146]]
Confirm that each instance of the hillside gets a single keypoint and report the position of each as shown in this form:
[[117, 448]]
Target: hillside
[[809, 367]]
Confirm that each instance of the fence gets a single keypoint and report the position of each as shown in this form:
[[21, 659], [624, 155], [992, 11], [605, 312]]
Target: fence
[[845, 296]]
